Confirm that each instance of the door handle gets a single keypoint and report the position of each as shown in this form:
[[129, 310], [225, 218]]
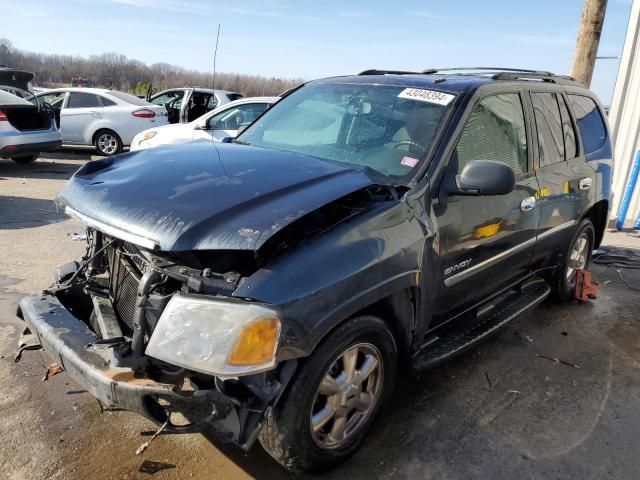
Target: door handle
[[527, 204], [585, 183]]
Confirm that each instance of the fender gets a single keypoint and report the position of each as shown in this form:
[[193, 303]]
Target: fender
[[337, 274]]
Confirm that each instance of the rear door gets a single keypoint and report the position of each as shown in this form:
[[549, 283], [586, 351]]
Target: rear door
[[487, 241], [564, 177], [79, 113]]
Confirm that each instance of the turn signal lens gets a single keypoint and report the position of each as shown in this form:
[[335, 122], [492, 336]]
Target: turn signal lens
[[256, 344], [148, 135]]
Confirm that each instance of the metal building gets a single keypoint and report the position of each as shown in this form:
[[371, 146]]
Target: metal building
[[624, 117]]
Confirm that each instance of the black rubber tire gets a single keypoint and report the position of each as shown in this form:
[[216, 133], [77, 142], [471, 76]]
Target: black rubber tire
[[96, 138], [26, 159], [286, 434], [562, 290]]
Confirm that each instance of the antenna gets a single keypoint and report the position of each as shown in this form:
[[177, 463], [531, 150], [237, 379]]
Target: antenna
[[215, 55]]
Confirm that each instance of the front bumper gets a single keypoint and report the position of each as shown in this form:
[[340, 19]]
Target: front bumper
[[77, 349]]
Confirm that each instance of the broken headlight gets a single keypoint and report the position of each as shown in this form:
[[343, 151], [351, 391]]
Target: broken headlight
[[217, 337]]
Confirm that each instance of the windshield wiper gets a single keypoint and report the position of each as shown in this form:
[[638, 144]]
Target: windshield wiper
[[240, 142]]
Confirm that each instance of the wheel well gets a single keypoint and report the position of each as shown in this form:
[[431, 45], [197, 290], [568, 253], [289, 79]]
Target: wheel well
[[95, 135], [598, 215], [398, 311]]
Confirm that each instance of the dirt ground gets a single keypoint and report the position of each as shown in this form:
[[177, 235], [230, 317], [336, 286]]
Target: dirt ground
[[499, 411]]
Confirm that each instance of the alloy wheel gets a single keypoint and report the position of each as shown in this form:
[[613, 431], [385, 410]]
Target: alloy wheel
[[577, 258], [346, 395], [107, 143]]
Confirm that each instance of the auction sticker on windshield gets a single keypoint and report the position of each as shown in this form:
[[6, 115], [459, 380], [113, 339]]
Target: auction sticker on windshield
[[424, 95]]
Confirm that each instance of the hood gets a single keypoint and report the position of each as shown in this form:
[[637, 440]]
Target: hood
[[176, 129], [205, 196]]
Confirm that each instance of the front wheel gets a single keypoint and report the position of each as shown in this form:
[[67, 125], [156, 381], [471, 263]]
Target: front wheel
[[578, 257], [334, 398], [25, 159], [107, 142]]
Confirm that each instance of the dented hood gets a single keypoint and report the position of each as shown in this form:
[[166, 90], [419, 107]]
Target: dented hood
[[204, 196]]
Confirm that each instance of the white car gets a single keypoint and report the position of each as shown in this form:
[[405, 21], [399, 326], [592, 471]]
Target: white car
[[224, 121], [106, 119]]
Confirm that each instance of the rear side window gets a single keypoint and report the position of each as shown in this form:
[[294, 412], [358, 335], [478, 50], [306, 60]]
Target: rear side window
[[590, 123], [495, 131], [549, 126], [83, 100], [570, 145], [107, 102]]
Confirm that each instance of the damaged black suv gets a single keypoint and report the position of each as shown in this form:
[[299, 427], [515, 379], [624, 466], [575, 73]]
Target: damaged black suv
[[270, 286]]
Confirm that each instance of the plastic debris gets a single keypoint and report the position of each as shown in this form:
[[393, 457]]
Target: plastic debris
[[524, 338], [488, 380], [52, 370], [77, 237], [145, 445]]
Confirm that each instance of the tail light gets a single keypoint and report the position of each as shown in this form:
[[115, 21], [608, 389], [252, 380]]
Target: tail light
[[3, 117], [144, 113]]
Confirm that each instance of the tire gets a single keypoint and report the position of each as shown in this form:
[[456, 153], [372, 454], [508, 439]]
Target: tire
[[564, 280], [287, 434], [107, 142], [26, 159]]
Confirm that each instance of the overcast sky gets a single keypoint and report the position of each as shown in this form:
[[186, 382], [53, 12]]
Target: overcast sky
[[311, 39]]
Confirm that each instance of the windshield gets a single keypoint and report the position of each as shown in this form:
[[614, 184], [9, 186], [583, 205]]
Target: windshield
[[387, 128]]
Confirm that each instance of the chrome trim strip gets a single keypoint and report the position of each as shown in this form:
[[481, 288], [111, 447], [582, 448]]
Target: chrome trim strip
[[553, 230], [458, 277], [113, 231]]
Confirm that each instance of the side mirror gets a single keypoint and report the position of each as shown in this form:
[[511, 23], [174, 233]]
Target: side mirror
[[202, 126], [485, 177]]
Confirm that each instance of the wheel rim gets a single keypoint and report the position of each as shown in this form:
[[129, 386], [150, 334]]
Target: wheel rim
[[346, 396], [577, 258], [107, 143]]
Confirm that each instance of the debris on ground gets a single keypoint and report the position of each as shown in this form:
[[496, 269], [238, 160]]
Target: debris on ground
[[524, 338], [52, 369], [515, 392], [557, 360], [151, 467], [488, 380], [145, 445], [76, 392], [76, 237]]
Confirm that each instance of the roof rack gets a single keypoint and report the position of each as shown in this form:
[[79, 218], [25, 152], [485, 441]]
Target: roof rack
[[497, 73]]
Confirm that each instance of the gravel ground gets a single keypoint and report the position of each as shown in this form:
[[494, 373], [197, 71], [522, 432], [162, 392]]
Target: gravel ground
[[498, 411]]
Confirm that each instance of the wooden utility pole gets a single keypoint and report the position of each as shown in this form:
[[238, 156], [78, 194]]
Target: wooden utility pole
[[589, 33]]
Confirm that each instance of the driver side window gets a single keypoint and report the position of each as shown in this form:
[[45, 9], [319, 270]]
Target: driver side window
[[495, 130]]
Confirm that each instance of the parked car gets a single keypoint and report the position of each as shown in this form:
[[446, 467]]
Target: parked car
[[27, 128], [106, 119], [186, 104], [271, 285], [218, 124]]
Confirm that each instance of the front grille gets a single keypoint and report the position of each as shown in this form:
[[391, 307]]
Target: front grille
[[125, 274]]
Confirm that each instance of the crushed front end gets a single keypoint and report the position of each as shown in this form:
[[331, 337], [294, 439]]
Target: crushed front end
[[157, 334]]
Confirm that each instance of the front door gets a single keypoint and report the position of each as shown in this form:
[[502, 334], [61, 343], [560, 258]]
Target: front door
[[77, 116], [487, 241]]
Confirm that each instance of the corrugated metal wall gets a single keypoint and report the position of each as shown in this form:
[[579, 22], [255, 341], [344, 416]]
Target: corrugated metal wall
[[624, 117]]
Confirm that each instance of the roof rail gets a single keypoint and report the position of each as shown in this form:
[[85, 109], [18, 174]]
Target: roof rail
[[374, 71], [542, 76], [489, 69]]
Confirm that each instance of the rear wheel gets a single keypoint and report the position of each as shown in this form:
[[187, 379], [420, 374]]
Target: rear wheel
[[25, 159], [578, 256], [107, 142], [334, 398]]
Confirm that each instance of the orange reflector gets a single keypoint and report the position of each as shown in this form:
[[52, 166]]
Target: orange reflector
[[256, 344]]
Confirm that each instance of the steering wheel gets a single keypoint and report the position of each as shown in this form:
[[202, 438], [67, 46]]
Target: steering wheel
[[411, 143]]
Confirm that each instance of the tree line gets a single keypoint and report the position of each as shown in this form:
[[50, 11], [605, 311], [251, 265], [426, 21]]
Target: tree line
[[117, 72]]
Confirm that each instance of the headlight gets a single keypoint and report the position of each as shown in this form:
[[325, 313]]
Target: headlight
[[217, 337], [148, 135]]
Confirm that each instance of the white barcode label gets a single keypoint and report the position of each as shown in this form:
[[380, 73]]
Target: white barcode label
[[424, 95]]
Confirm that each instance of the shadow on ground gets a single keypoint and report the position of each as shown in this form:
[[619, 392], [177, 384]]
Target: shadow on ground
[[22, 212]]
